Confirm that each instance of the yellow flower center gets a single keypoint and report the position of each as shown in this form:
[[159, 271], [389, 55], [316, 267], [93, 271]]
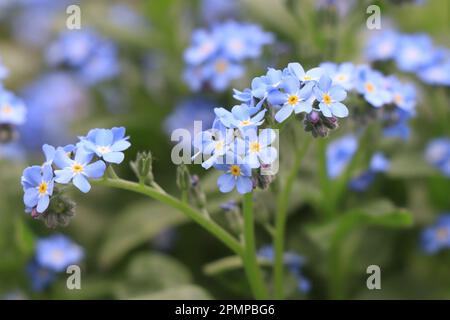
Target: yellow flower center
[[77, 168], [370, 87], [398, 98], [43, 187], [307, 78], [245, 122], [255, 146], [219, 145], [341, 77], [6, 109], [326, 98], [293, 99], [442, 234], [235, 170], [221, 66]]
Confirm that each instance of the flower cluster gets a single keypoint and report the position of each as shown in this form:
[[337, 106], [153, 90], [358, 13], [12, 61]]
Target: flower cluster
[[52, 255], [293, 261], [414, 53], [234, 144], [74, 164], [437, 237], [341, 151], [398, 99], [12, 110], [437, 154], [92, 57], [215, 56]]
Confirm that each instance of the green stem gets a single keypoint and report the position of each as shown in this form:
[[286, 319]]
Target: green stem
[[192, 213], [325, 183], [250, 259], [280, 223]]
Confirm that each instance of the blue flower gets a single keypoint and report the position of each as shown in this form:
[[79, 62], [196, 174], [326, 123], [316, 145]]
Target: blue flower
[[40, 277], [203, 46], [400, 127], [342, 74], [436, 74], [404, 95], [339, 153], [213, 143], [414, 52], [296, 70], [237, 176], [78, 169], [187, 112], [437, 237], [240, 117], [87, 53], [220, 72], [437, 154], [293, 262], [37, 183], [257, 147], [215, 56], [12, 109], [373, 86], [57, 252], [49, 117], [382, 46], [379, 163], [330, 97], [50, 152], [107, 144], [293, 99]]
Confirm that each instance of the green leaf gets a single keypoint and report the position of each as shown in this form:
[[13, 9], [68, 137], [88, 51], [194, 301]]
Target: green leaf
[[135, 225], [378, 213], [150, 272], [187, 292]]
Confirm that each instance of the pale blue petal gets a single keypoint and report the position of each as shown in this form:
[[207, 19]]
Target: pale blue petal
[[114, 157], [118, 133], [266, 137], [63, 176], [226, 183], [43, 204], [268, 155], [120, 145], [339, 110], [244, 185], [81, 183], [303, 106], [325, 110], [104, 137], [284, 113], [276, 98], [325, 83], [338, 93], [83, 157], [61, 159], [95, 170], [30, 198]]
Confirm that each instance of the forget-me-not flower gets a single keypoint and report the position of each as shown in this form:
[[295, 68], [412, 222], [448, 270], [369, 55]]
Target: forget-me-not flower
[[57, 252], [330, 97], [79, 169], [107, 144], [437, 237], [339, 153], [258, 149], [38, 186], [12, 109], [237, 176]]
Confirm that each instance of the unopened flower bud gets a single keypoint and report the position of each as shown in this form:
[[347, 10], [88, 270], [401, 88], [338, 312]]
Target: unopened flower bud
[[183, 177], [142, 167], [59, 213]]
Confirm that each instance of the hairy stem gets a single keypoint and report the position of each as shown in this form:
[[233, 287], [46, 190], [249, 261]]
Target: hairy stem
[[208, 224]]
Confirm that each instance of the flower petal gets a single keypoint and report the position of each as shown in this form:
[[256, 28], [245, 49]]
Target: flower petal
[[283, 113], [226, 182], [244, 185], [95, 170], [81, 183]]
